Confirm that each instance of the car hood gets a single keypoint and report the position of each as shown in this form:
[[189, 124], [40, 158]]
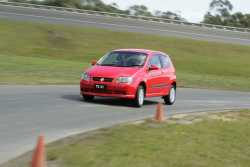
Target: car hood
[[112, 72]]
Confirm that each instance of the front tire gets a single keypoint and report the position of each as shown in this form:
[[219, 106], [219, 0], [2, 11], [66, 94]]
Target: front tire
[[140, 95], [171, 97], [88, 98]]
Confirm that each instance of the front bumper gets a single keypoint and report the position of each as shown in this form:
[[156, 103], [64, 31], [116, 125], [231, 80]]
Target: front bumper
[[112, 89]]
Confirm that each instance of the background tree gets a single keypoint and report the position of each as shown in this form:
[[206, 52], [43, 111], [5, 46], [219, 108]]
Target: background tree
[[62, 3], [139, 10], [99, 5], [220, 13], [221, 7], [96, 5], [168, 15]]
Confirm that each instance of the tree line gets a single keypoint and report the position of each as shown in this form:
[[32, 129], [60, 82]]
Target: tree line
[[98, 5], [219, 13]]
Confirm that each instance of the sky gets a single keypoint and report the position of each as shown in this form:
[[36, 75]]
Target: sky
[[192, 10]]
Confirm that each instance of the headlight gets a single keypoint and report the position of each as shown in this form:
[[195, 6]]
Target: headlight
[[85, 76], [125, 80]]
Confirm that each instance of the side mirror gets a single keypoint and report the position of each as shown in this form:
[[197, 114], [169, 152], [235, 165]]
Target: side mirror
[[153, 67], [93, 62]]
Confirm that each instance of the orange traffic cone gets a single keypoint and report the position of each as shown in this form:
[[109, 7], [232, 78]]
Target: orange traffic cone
[[159, 115], [38, 159]]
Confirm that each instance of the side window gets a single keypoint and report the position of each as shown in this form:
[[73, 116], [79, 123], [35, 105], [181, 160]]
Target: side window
[[165, 61], [155, 60]]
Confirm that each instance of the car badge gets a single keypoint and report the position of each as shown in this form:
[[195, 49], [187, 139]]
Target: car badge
[[102, 79]]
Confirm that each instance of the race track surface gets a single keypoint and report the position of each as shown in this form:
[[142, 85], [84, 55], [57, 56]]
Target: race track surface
[[123, 24], [58, 111]]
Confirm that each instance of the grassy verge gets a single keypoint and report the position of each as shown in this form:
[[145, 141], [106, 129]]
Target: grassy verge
[[197, 140], [33, 53]]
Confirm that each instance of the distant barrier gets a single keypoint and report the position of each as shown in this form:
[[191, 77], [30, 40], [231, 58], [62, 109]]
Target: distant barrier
[[155, 19]]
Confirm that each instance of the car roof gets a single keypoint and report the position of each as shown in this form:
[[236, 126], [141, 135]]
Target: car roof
[[146, 51]]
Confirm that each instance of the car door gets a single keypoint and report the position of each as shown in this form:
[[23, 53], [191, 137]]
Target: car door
[[154, 78], [166, 73]]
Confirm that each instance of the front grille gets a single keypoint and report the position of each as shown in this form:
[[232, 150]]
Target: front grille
[[93, 90], [102, 91], [101, 79], [86, 90]]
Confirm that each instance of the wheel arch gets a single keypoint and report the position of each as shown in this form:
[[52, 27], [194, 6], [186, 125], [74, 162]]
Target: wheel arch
[[174, 84], [142, 83]]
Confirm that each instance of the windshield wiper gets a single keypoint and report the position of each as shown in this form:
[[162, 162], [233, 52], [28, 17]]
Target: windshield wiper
[[134, 66], [107, 64]]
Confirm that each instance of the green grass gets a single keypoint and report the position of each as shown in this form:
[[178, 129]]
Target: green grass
[[35, 70], [208, 143], [216, 140], [36, 53]]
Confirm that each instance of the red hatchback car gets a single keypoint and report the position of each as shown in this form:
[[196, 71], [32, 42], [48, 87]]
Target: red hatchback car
[[131, 74]]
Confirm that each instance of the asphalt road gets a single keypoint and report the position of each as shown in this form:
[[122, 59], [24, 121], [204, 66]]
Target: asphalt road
[[123, 24], [58, 111]]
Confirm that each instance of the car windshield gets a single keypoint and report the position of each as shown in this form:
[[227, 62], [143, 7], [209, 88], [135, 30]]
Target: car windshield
[[123, 59]]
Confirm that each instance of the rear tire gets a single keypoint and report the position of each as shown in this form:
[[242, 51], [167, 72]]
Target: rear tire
[[88, 98], [171, 97], [140, 95]]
